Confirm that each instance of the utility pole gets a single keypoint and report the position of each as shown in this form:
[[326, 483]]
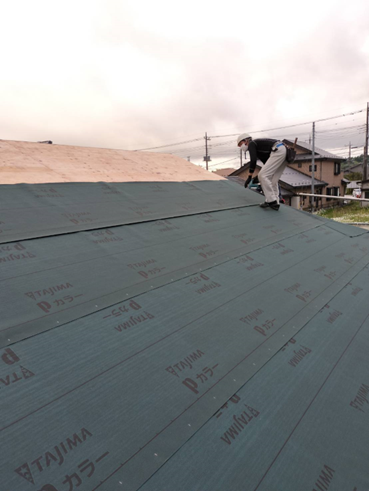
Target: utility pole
[[207, 157], [240, 157], [312, 170], [365, 163], [349, 159]]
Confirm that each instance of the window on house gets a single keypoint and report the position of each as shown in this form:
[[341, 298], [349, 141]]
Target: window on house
[[329, 193], [366, 194], [311, 167], [299, 165], [336, 191], [337, 168]]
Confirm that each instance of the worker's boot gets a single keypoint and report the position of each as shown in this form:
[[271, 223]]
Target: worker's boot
[[273, 204]]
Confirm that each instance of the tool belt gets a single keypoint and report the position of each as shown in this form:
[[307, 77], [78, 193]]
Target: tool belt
[[276, 145], [290, 152], [290, 155]]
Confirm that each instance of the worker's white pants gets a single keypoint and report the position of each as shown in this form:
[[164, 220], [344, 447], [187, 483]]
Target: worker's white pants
[[271, 172]]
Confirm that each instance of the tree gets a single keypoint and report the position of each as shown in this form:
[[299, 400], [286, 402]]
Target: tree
[[346, 164], [354, 176]]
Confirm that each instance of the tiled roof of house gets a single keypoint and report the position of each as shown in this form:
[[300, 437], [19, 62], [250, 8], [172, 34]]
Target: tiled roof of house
[[354, 168], [292, 177], [319, 152], [224, 172], [295, 178], [175, 336]]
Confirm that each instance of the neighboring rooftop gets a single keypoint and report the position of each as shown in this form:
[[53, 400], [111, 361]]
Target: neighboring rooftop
[[354, 168], [296, 179], [305, 151], [225, 172], [291, 177], [353, 184]]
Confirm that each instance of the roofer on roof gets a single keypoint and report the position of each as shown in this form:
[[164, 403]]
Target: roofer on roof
[[273, 154]]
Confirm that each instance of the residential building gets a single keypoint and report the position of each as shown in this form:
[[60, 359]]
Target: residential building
[[224, 172], [327, 168], [355, 168], [292, 182], [365, 191]]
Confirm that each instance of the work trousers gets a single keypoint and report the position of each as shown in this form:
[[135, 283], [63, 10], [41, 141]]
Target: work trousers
[[271, 172]]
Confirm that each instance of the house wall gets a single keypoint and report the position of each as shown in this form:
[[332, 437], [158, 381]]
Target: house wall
[[365, 192], [324, 172], [305, 200]]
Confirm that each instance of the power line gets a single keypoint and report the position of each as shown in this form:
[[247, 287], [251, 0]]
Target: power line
[[258, 131], [224, 162], [337, 132], [170, 145], [295, 125], [315, 114], [355, 128]]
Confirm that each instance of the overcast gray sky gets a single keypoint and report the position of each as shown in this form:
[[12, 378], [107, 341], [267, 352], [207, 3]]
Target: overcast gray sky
[[138, 74]]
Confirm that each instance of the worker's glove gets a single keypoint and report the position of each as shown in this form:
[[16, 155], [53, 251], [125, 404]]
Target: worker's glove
[[247, 182]]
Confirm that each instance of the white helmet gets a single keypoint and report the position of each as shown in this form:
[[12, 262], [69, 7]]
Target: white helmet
[[243, 136]]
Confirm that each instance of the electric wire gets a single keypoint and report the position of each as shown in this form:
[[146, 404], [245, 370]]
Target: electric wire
[[327, 134]]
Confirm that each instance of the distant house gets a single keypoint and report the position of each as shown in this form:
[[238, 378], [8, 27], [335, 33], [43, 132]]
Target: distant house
[[355, 168], [327, 168], [354, 184], [224, 172], [365, 191]]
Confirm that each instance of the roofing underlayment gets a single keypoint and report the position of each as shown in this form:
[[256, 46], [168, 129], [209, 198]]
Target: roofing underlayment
[[174, 336]]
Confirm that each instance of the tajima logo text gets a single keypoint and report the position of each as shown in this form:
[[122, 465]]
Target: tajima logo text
[[208, 287], [48, 291], [239, 423], [14, 377], [20, 373], [55, 455], [134, 320], [299, 355], [105, 236], [77, 218], [14, 257], [185, 363], [47, 193], [361, 398], [252, 317], [142, 264], [324, 480], [9, 357]]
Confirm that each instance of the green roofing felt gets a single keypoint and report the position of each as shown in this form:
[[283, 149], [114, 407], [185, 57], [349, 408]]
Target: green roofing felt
[[39, 210], [299, 423], [212, 351]]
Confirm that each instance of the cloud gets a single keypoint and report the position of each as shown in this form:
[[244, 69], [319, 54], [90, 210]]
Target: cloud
[[133, 75]]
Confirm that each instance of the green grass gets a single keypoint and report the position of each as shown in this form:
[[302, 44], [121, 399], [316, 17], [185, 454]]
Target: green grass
[[347, 213]]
